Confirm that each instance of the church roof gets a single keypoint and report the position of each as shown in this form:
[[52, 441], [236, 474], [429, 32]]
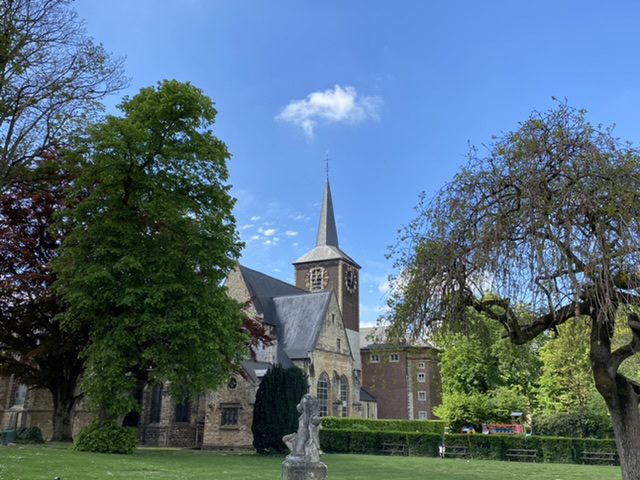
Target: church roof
[[296, 313], [300, 319], [263, 288], [327, 247]]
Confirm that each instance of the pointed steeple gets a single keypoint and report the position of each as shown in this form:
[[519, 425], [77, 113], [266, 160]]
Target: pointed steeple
[[327, 232]]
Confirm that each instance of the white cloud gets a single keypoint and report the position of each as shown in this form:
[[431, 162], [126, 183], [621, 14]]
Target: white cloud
[[254, 218], [255, 237], [295, 244], [244, 227], [299, 217], [340, 105], [269, 232], [290, 233]]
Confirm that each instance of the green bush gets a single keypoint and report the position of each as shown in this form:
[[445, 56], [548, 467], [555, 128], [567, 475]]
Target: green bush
[[366, 424], [588, 424], [29, 435], [487, 447], [107, 437]]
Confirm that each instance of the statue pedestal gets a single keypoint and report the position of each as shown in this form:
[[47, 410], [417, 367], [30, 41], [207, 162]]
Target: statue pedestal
[[292, 470]]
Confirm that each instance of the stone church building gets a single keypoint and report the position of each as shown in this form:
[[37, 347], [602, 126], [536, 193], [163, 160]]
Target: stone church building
[[315, 326]]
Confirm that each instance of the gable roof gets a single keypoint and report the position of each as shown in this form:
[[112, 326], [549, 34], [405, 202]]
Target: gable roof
[[299, 320], [264, 288]]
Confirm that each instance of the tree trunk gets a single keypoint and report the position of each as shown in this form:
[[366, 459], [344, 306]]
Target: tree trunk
[[62, 408], [623, 407]]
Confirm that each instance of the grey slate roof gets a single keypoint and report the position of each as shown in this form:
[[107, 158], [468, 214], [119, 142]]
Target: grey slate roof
[[377, 337], [300, 319], [296, 314], [366, 396], [327, 240], [263, 288], [253, 368]]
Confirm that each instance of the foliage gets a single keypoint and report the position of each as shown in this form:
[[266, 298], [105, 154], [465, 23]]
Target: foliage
[[484, 376], [107, 437], [151, 238], [274, 412], [29, 435], [549, 219], [33, 347], [380, 425], [52, 77], [486, 447], [574, 424]]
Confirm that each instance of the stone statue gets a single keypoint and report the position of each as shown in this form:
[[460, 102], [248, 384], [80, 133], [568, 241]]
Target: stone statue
[[304, 460]]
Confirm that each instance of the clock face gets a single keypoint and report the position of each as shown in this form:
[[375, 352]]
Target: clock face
[[351, 279]]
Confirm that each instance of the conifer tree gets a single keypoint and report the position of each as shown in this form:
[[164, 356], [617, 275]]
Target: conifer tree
[[274, 413]]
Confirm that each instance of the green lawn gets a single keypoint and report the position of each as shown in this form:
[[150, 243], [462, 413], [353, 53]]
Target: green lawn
[[46, 462]]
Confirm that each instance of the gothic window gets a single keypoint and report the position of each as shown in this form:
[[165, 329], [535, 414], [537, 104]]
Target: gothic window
[[183, 411], [323, 394], [229, 416], [156, 404], [20, 395], [344, 396], [317, 279]]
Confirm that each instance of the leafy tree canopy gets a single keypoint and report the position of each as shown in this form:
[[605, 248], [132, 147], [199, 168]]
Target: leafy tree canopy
[[151, 238]]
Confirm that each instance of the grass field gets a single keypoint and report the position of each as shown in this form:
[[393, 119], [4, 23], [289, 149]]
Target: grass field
[[47, 462]]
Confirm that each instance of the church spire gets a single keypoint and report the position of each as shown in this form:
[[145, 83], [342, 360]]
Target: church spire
[[327, 232]]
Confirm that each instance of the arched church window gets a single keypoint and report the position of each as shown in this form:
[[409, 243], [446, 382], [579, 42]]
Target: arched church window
[[317, 279], [323, 394], [344, 396], [156, 404], [20, 395]]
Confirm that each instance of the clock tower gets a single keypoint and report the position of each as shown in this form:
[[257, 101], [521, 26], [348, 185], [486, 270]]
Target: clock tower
[[326, 267]]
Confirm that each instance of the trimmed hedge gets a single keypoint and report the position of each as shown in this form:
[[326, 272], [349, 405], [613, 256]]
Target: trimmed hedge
[[488, 447], [107, 437], [367, 424]]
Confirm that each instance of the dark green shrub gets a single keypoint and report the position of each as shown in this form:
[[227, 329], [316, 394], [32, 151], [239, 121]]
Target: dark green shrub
[[488, 447], [574, 424], [422, 426], [107, 437], [274, 413], [29, 435]]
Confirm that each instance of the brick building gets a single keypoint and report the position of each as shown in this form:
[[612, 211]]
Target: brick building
[[404, 378]]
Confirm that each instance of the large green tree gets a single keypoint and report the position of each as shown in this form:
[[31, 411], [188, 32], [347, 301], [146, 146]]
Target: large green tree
[[150, 239], [549, 218], [52, 78]]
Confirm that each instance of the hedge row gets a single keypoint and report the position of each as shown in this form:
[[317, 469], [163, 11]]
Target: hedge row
[[366, 424], [489, 447]]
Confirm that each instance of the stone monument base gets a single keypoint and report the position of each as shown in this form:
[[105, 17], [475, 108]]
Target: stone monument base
[[303, 471]]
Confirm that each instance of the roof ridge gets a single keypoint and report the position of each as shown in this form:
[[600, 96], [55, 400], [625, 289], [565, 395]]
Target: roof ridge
[[243, 267]]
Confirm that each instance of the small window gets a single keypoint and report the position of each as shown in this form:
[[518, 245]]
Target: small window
[[338, 344], [422, 378], [422, 396], [333, 318], [233, 383], [394, 357], [229, 417], [421, 365], [375, 358], [422, 415]]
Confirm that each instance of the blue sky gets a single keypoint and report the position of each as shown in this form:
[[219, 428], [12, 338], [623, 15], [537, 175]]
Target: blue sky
[[392, 92]]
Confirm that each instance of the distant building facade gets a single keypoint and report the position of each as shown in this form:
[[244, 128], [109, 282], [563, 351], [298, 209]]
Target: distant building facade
[[404, 378]]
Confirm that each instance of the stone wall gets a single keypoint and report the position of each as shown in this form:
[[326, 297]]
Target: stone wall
[[219, 433]]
